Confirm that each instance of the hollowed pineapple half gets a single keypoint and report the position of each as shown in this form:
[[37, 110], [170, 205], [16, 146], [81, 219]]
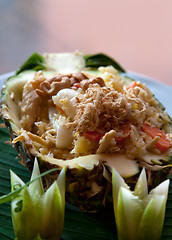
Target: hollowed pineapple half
[[83, 112]]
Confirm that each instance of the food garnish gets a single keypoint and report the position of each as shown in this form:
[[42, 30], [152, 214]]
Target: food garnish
[[139, 215], [37, 214]]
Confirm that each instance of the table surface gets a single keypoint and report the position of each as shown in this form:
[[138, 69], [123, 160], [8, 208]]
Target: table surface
[[136, 33]]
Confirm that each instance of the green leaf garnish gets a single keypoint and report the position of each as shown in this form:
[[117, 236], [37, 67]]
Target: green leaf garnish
[[98, 60], [35, 62]]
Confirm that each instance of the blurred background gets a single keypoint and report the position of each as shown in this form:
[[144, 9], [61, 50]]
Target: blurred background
[[137, 33]]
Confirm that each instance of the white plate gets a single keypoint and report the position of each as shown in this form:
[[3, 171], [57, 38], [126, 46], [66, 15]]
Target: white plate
[[162, 91]]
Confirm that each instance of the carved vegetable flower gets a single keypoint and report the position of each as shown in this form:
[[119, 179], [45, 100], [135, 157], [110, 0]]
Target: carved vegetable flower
[[36, 214], [139, 215]]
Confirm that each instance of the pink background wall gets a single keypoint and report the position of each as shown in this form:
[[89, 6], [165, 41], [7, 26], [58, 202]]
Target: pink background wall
[[137, 33]]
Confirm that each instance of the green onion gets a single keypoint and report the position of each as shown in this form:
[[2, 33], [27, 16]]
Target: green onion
[[139, 215], [36, 214]]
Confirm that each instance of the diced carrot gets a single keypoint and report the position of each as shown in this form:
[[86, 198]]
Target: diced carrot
[[163, 144], [93, 136], [125, 134], [132, 85], [76, 85]]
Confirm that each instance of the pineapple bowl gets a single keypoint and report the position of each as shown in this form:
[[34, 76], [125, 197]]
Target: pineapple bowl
[[86, 114]]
